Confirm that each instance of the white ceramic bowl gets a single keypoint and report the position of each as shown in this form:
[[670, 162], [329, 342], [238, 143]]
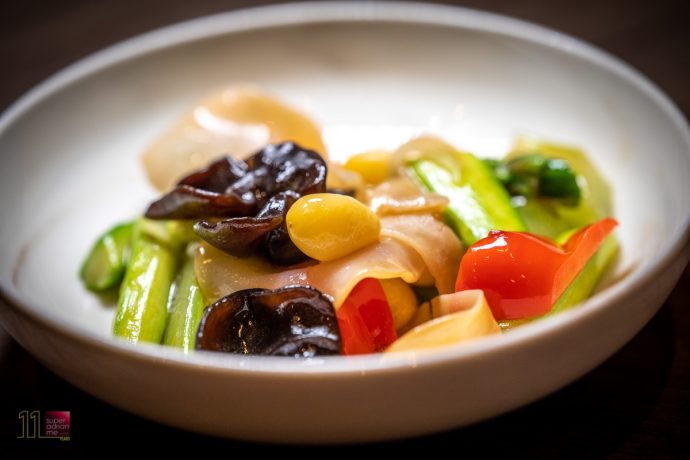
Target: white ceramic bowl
[[373, 75]]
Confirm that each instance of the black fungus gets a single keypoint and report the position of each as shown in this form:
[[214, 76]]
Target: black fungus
[[297, 321], [218, 176], [239, 236], [281, 167], [186, 202], [277, 246], [240, 206], [267, 232]]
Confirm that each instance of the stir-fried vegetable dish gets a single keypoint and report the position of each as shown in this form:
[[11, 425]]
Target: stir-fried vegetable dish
[[259, 244]]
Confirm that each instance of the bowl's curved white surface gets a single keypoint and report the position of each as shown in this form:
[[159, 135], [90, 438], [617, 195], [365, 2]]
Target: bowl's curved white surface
[[372, 75]]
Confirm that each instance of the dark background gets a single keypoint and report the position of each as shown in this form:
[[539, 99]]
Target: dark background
[[635, 405]]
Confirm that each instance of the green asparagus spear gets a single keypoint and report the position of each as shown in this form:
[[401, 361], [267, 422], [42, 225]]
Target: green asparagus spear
[[177, 233], [186, 307], [142, 306], [478, 201], [105, 265], [583, 286]]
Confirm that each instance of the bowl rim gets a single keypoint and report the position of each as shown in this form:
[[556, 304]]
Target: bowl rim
[[295, 14]]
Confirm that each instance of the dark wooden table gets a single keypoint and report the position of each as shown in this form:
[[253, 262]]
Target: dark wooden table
[[635, 405]]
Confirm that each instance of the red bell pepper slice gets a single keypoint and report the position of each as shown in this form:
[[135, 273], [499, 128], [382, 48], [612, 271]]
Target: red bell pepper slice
[[522, 275], [365, 319]]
